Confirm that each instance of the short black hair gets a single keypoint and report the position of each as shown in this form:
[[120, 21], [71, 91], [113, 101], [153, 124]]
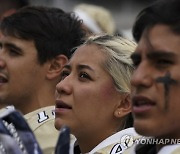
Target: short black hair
[[160, 12], [53, 31]]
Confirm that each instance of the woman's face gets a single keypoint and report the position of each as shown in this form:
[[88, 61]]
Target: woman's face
[[86, 97]]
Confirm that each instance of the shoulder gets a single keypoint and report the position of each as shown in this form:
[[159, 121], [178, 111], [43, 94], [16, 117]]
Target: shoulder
[[142, 147], [41, 122], [176, 151], [117, 143], [42, 116], [171, 149], [7, 108]]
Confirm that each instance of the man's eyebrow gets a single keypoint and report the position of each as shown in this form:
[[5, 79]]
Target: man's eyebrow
[[161, 54]]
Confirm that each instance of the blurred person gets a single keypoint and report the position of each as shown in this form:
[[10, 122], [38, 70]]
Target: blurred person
[[96, 19], [35, 44], [93, 96], [156, 79], [8, 7]]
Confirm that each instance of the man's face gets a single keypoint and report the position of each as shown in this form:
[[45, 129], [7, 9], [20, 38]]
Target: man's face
[[20, 72], [156, 83]]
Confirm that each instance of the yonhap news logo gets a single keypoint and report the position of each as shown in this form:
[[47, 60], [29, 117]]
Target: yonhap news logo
[[128, 140]]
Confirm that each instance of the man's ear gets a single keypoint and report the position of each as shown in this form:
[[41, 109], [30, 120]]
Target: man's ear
[[124, 107], [55, 66]]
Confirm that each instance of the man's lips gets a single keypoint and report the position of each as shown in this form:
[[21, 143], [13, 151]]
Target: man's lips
[[141, 100], [142, 104], [62, 105]]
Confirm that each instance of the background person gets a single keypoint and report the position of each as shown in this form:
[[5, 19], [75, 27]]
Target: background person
[[8, 7], [96, 19], [35, 45]]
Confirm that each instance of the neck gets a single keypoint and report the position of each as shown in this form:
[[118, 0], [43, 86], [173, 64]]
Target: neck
[[89, 141], [35, 104], [39, 100]]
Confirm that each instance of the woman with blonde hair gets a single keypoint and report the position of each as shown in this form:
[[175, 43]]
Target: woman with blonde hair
[[93, 96]]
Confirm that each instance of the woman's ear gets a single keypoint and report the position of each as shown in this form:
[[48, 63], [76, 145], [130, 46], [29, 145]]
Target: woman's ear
[[55, 66], [124, 106]]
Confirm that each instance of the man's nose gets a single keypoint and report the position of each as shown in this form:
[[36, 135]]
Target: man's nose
[[142, 75]]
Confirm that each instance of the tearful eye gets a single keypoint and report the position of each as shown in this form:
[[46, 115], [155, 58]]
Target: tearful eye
[[84, 75]]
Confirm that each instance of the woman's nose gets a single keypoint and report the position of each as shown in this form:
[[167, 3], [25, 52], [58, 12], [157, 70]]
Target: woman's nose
[[64, 86]]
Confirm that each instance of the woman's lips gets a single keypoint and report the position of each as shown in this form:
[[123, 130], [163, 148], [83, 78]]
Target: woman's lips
[[62, 106]]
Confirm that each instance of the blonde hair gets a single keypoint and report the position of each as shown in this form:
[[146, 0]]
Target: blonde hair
[[118, 63], [100, 15]]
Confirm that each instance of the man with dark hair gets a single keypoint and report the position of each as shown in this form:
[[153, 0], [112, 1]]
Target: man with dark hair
[[156, 79], [8, 7], [36, 42]]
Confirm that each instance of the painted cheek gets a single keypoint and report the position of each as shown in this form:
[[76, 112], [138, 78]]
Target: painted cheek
[[167, 81]]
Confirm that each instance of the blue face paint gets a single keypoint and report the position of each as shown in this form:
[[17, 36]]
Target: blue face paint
[[167, 81]]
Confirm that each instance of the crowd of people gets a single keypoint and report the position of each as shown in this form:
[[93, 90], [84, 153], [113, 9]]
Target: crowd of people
[[70, 88]]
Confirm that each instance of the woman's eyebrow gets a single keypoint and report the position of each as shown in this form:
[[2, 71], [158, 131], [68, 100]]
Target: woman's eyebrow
[[82, 66]]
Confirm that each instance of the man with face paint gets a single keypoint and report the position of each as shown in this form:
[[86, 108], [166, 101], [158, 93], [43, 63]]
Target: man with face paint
[[156, 79]]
